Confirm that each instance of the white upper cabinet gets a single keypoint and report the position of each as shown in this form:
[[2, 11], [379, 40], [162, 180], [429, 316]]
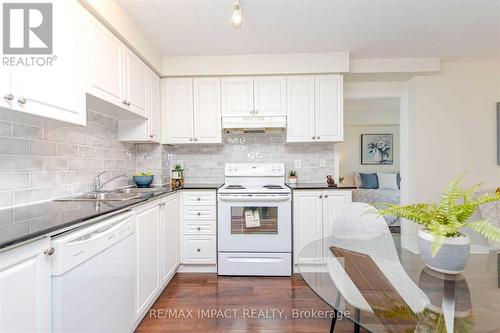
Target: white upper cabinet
[[177, 105], [237, 97], [329, 108], [207, 110], [315, 110], [25, 288], [54, 90], [135, 82], [254, 96], [154, 111], [269, 96], [191, 111], [301, 122], [105, 64]]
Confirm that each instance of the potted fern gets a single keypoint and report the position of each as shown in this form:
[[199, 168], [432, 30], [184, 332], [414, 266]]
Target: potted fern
[[441, 244]]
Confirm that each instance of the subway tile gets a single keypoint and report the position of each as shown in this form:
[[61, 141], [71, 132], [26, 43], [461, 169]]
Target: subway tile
[[22, 197], [5, 164], [44, 179], [68, 177], [77, 164], [67, 150], [77, 138], [6, 217], [10, 146], [41, 148], [27, 132], [5, 128], [86, 151], [55, 164], [13, 181], [27, 163], [6, 199], [55, 134], [54, 192]]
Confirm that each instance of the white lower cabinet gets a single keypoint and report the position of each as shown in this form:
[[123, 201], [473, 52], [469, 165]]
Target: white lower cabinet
[[313, 215], [25, 303], [199, 227], [170, 240], [148, 255]]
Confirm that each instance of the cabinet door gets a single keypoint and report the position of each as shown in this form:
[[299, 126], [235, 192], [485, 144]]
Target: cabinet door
[[57, 91], [270, 95], [331, 200], [154, 103], [170, 224], [148, 256], [6, 93], [300, 109], [105, 64], [207, 110], [134, 73], [25, 288], [329, 108], [177, 104], [237, 96], [307, 225]]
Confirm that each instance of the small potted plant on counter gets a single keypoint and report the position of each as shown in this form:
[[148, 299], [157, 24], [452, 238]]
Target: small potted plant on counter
[[292, 177], [177, 176], [143, 179], [441, 244]]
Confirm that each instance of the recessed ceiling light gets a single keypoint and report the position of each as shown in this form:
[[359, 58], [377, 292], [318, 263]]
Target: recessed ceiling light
[[236, 18]]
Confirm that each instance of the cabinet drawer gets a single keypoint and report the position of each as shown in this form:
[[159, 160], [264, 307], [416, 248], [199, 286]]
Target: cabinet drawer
[[199, 250], [199, 198], [199, 228], [199, 213]]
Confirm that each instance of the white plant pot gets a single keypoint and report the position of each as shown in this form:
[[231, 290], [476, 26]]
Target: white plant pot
[[292, 180], [450, 259]]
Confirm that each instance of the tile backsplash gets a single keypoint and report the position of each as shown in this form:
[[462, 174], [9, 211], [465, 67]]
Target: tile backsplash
[[205, 163], [41, 163]]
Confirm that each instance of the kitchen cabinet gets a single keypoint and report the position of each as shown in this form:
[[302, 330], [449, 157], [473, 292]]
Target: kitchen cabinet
[[145, 130], [25, 288], [148, 256], [191, 110], [26, 89], [198, 227], [117, 75], [313, 214], [315, 108], [170, 234], [249, 97]]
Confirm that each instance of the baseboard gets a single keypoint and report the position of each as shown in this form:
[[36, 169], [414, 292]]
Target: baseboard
[[197, 269]]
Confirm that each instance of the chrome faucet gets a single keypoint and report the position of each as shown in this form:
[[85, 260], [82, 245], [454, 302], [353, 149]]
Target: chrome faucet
[[98, 184]]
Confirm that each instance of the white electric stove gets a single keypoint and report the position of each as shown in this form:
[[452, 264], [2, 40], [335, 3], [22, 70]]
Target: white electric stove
[[254, 221]]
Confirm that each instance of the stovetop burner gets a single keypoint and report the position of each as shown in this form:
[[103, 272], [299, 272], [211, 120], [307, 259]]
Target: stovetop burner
[[273, 187], [235, 187]]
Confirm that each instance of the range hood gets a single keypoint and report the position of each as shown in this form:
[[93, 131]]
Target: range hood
[[253, 124]]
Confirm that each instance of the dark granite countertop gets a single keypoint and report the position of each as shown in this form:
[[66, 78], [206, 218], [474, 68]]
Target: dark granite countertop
[[317, 186], [23, 223]]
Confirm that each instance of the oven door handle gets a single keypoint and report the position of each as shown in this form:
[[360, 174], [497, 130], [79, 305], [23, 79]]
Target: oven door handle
[[253, 198]]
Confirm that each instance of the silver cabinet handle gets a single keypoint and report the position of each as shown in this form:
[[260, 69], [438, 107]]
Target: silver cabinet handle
[[190, 139], [21, 100], [318, 137], [199, 229], [314, 138], [128, 103], [199, 214], [198, 199], [326, 195], [50, 251], [195, 139], [198, 250], [8, 97], [124, 102], [162, 204], [321, 196], [152, 136]]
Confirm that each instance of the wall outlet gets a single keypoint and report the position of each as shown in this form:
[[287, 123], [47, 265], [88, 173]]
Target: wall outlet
[[322, 163], [298, 164]]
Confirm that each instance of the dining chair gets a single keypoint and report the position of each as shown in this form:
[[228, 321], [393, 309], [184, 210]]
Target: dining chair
[[365, 266]]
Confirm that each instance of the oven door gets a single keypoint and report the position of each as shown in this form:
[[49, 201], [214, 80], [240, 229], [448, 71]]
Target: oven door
[[254, 223]]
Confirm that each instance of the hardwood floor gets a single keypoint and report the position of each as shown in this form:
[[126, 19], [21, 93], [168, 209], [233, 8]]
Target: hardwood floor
[[209, 303]]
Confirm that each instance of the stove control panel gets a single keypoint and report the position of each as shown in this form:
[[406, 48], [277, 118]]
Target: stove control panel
[[254, 169]]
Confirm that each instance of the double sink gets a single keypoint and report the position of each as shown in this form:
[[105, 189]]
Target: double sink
[[113, 195]]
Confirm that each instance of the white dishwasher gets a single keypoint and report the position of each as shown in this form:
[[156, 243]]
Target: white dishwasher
[[93, 277]]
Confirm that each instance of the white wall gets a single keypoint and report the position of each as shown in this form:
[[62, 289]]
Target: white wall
[[454, 126]]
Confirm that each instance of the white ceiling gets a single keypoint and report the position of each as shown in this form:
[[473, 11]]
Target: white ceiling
[[366, 28]]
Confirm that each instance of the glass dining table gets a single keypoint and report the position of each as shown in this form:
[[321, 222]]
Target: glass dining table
[[382, 287]]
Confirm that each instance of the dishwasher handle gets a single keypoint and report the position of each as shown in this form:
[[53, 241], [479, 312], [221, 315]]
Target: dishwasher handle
[[104, 231]]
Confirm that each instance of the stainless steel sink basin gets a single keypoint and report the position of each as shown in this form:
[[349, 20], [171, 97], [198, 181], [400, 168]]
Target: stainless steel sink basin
[[104, 196], [136, 190]]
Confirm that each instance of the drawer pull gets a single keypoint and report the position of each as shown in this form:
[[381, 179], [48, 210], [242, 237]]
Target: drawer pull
[[199, 214], [199, 229], [199, 199], [198, 250]]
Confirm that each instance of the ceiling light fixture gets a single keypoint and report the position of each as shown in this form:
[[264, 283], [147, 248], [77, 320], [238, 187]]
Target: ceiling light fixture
[[236, 18]]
